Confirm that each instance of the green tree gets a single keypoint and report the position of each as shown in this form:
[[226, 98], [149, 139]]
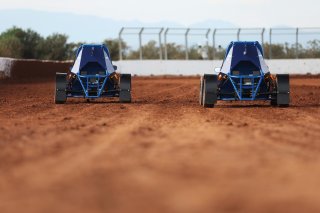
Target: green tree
[[219, 53], [175, 51], [113, 46], [277, 51], [18, 43], [149, 51], [31, 43], [194, 53], [10, 46], [11, 43], [54, 47], [72, 49], [313, 50]]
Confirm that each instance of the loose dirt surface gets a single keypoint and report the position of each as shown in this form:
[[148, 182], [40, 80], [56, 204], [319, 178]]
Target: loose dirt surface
[[162, 153]]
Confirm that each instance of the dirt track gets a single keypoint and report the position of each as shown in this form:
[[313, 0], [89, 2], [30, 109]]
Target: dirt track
[[162, 153]]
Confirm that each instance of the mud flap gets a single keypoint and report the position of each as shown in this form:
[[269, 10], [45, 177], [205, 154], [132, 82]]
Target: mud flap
[[210, 88], [283, 90], [125, 88], [61, 87]]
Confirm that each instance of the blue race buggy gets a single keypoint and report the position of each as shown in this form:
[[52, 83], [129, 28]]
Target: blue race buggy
[[92, 76], [244, 76]]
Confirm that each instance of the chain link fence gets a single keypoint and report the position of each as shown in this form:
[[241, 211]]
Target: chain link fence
[[293, 42]]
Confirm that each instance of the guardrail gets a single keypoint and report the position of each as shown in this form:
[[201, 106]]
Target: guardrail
[[163, 33]]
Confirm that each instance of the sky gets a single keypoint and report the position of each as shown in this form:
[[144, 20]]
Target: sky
[[242, 13]]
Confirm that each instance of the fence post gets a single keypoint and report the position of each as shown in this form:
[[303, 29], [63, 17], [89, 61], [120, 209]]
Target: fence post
[[187, 48], [120, 44], [262, 36], [165, 44], [140, 42], [270, 45], [160, 44], [207, 42], [297, 43], [238, 34], [214, 44]]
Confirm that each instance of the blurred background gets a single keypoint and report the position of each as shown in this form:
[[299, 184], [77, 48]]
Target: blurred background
[[158, 30]]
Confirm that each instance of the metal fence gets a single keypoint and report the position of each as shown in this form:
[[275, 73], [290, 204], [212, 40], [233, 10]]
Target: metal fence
[[260, 34]]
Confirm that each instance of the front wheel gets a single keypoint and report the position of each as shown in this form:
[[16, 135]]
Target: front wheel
[[283, 90], [61, 88], [210, 90], [125, 88]]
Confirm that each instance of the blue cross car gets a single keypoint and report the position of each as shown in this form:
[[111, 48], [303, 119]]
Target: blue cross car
[[92, 76], [244, 76]]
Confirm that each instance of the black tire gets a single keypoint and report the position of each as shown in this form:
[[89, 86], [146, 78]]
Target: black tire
[[125, 88], [210, 88], [283, 90], [201, 91], [61, 88], [274, 102]]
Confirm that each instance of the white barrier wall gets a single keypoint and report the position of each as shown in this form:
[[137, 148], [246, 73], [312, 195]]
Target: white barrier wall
[[5, 67], [177, 67]]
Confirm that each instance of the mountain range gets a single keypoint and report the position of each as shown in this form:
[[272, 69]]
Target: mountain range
[[84, 28]]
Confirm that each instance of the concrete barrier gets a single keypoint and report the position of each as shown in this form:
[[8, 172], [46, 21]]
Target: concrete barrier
[[5, 67], [177, 67], [45, 70]]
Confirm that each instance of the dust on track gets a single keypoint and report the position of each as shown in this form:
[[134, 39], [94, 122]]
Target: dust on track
[[162, 153]]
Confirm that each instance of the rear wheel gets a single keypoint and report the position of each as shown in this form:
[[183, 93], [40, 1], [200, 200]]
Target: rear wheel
[[210, 88], [125, 88], [61, 88], [283, 90]]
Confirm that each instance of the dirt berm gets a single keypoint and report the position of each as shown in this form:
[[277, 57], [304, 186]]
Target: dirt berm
[[33, 70]]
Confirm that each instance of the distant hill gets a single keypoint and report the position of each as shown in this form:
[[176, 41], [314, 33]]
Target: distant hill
[[84, 28]]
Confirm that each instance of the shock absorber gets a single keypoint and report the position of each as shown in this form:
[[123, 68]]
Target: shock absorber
[[115, 80], [271, 81], [222, 77]]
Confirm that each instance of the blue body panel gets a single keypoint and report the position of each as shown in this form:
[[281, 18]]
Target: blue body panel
[[91, 73], [243, 73], [93, 58]]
